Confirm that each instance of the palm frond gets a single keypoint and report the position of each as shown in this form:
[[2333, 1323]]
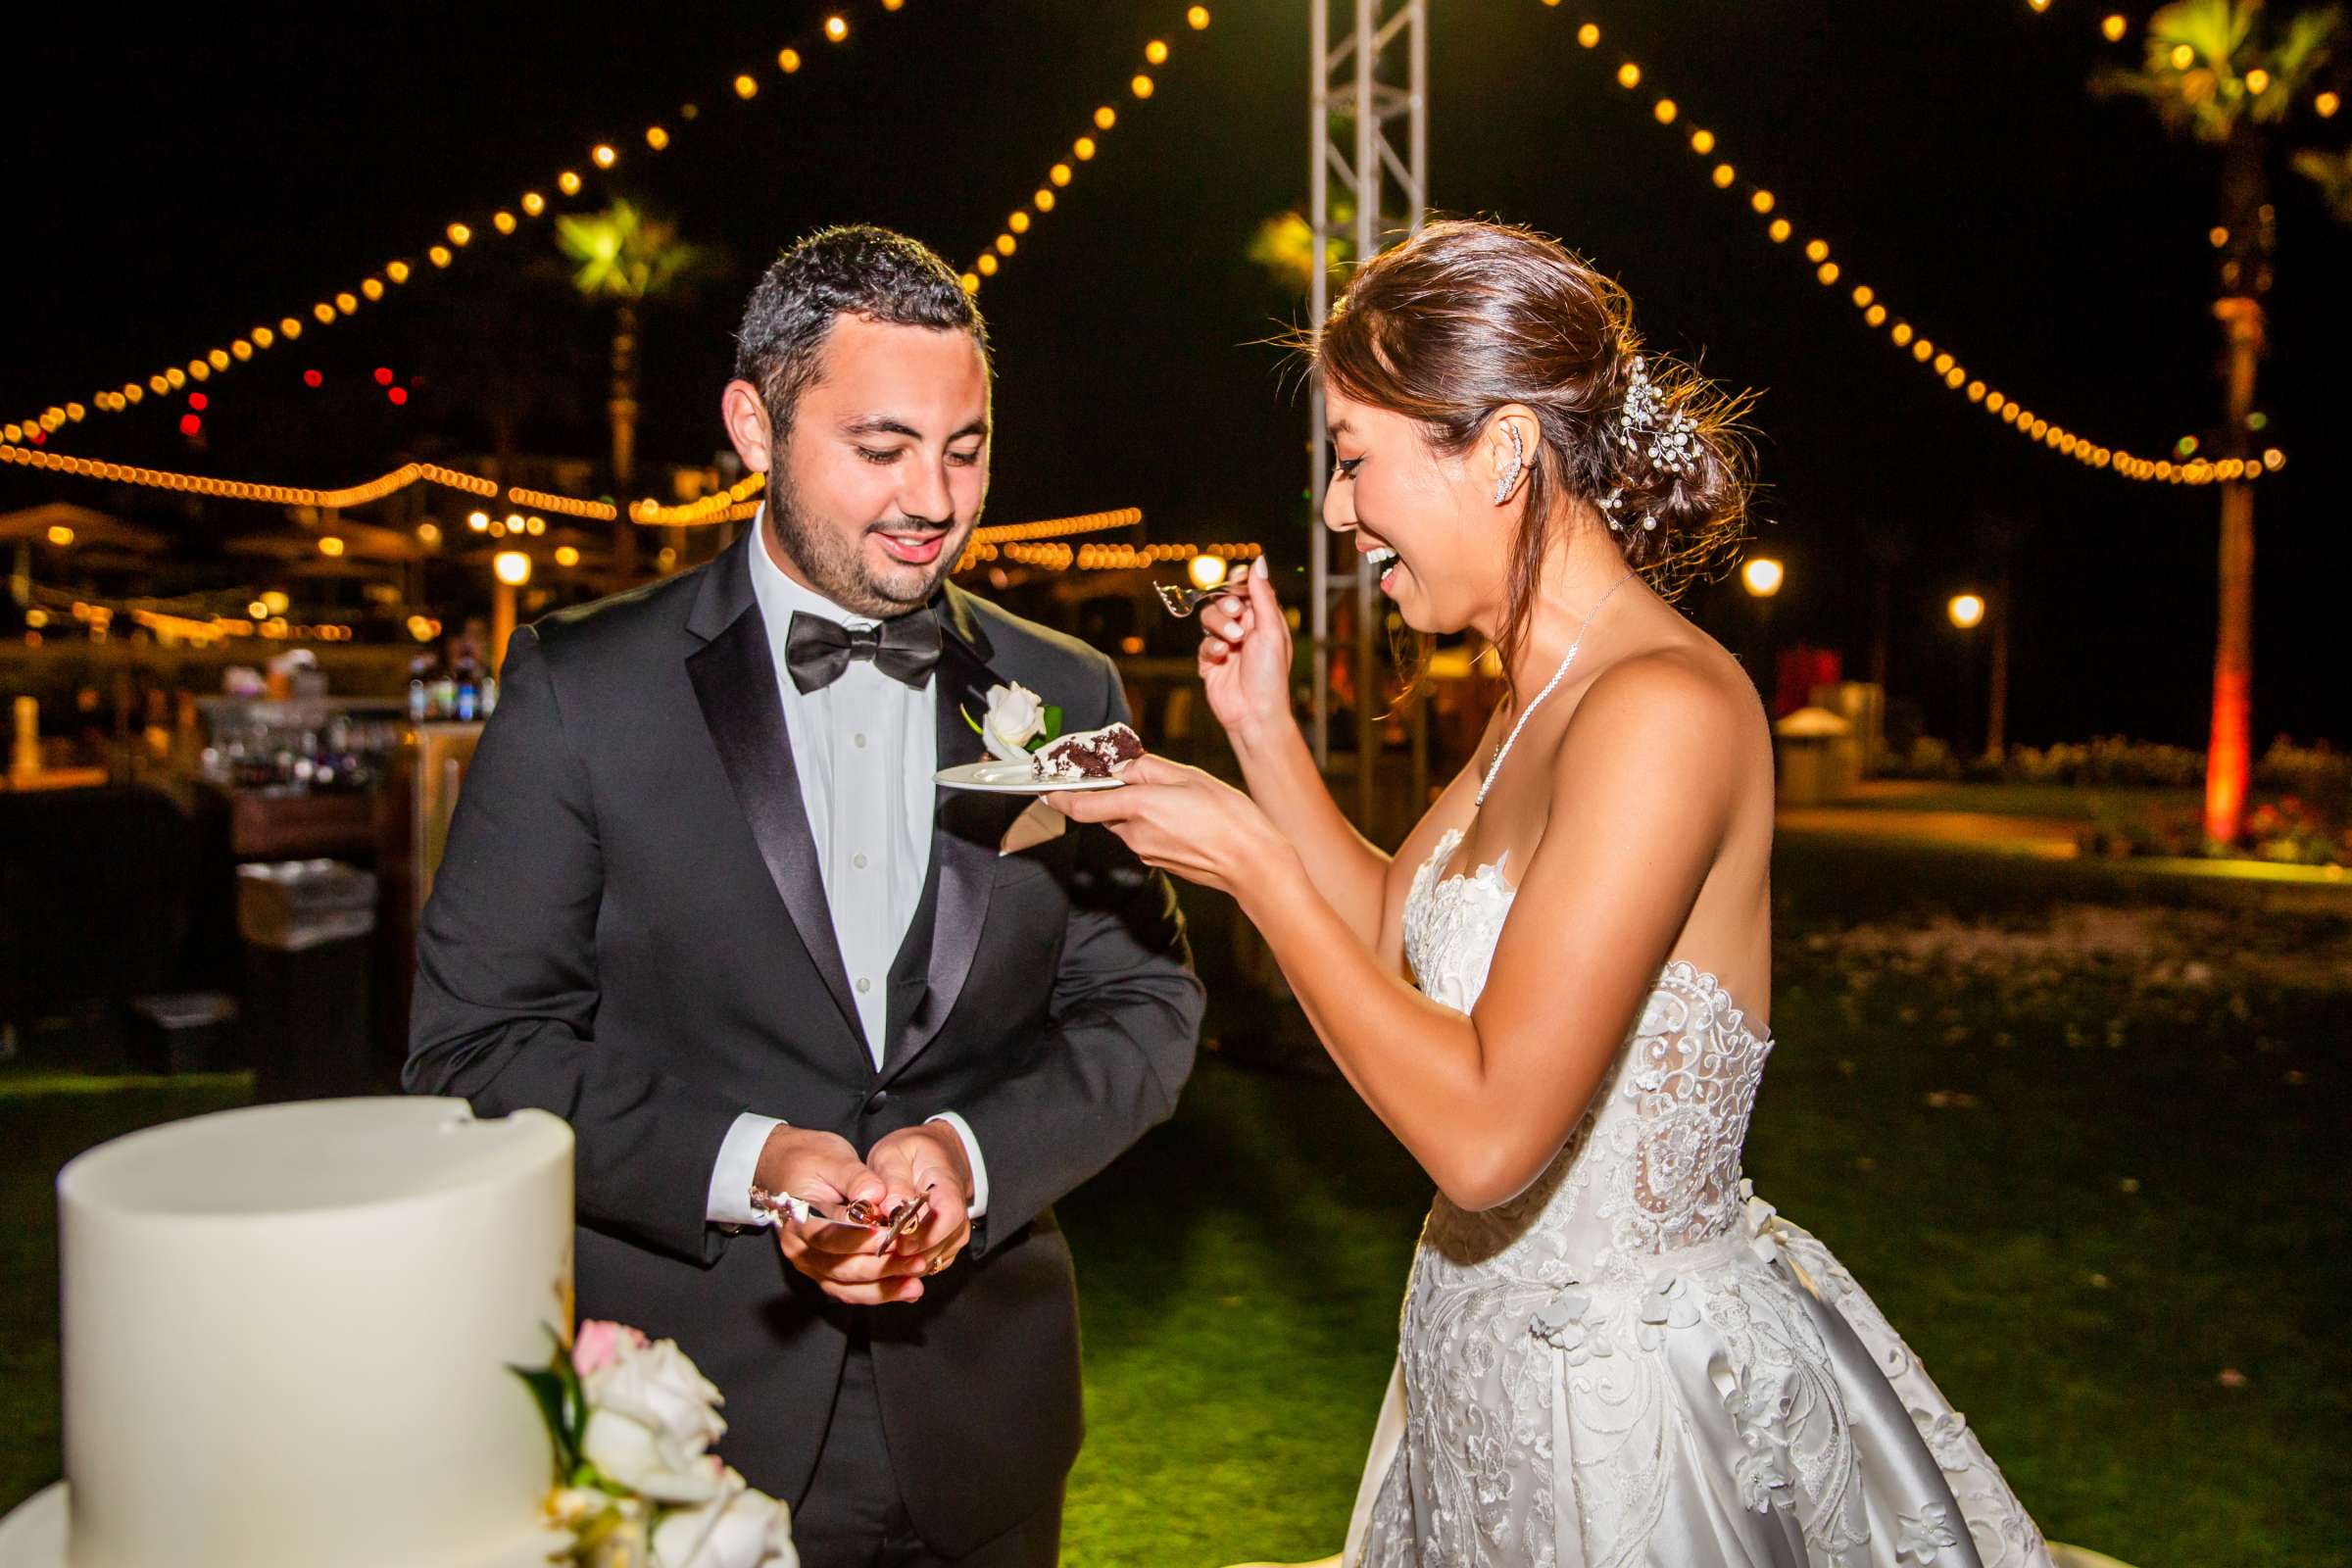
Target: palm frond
[[2215, 28], [2331, 171]]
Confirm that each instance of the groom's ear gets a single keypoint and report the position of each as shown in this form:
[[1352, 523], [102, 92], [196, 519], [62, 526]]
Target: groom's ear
[[744, 412]]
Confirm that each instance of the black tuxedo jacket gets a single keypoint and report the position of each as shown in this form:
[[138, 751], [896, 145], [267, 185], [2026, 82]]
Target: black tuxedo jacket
[[629, 930]]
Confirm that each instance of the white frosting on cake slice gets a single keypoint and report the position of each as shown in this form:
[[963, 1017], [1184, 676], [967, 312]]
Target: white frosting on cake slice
[[287, 1331]]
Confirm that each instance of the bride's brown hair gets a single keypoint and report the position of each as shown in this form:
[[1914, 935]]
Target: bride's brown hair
[[1466, 317]]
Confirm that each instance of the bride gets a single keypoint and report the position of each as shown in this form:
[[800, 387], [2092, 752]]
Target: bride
[[1556, 994]]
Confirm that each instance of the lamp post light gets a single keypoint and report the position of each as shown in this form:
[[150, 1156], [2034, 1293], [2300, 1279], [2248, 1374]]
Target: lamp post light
[[511, 568], [1968, 612]]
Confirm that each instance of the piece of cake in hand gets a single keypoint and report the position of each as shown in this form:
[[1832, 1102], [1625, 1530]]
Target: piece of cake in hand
[[1088, 754]]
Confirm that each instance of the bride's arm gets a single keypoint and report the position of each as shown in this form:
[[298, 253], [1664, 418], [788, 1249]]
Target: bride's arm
[[1641, 793], [1643, 790], [1246, 671]]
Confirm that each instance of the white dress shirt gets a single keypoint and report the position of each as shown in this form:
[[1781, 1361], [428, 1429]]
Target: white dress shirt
[[865, 748]]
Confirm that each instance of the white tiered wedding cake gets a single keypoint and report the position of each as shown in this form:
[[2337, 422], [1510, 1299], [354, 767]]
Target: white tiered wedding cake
[[287, 1335]]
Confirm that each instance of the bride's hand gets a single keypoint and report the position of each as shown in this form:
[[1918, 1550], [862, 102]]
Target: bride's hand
[[1181, 820], [1246, 656]]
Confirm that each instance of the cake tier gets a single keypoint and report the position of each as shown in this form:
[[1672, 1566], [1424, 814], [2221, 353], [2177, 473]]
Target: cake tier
[[34, 1536], [287, 1331]]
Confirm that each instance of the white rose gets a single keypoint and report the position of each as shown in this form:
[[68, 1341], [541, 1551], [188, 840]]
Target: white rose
[[648, 1460], [739, 1528], [1016, 715], [657, 1385]]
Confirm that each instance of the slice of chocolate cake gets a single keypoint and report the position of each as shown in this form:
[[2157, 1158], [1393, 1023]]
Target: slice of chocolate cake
[[1088, 754]]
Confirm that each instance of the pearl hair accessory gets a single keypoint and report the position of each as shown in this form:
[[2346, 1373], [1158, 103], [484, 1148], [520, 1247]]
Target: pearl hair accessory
[[1670, 435], [1615, 500], [1510, 475], [1645, 414]]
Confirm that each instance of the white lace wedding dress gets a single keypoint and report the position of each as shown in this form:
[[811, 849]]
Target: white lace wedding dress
[[1636, 1361]]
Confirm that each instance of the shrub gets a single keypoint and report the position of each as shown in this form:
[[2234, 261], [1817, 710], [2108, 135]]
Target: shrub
[[2317, 774]]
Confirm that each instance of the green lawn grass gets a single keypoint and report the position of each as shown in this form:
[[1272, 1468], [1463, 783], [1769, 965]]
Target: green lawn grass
[[46, 1118], [2060, 802], [2082, 1194]]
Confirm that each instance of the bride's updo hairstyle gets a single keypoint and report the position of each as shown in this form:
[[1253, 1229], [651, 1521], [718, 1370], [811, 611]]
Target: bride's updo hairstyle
[[1466, 317]]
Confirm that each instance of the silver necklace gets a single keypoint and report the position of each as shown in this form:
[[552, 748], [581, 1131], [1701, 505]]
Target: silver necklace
[[1558, 675]]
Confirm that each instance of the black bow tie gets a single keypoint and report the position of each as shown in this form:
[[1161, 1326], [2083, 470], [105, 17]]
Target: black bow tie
[[816, 650]]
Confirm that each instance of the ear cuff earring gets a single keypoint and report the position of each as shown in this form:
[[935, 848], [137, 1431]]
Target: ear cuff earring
[[1510, 476]]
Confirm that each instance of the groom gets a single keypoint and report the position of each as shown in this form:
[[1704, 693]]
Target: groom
[[703, 900]]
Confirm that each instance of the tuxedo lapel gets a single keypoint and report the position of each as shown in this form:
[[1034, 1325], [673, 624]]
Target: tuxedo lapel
[[966, 827], [734, 675]]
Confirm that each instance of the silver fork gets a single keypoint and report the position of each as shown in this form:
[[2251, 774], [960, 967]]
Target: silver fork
[[1182, 602]]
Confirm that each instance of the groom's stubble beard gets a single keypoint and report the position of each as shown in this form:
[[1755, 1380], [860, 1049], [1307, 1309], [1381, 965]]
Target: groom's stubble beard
[[835, 565]]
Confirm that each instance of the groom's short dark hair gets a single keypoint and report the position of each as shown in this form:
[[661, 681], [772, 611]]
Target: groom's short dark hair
[[851, 270]]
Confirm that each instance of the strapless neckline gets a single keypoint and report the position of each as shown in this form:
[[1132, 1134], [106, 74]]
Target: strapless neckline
[[1489, 879]]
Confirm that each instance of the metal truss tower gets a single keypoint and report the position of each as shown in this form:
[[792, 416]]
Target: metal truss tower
[[1372, 83]]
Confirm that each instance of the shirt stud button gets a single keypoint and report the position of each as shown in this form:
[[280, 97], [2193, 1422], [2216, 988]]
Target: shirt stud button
[[863, 986], [857, 861], [860, 740]]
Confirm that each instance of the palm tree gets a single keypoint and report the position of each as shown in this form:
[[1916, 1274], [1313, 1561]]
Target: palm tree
[[627, 257], [2225, 73]]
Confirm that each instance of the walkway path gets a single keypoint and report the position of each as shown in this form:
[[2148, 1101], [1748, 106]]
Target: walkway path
[[1877, 814]]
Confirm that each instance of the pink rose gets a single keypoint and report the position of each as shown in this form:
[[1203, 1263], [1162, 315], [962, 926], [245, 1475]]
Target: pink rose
[[598, 1345]]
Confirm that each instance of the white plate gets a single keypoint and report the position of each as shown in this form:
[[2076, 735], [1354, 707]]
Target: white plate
[[1015, 778]]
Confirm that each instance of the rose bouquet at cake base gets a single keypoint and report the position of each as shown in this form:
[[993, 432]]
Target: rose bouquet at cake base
[[636, 1485]]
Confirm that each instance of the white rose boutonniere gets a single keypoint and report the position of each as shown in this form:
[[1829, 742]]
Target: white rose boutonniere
[[1016, 723]]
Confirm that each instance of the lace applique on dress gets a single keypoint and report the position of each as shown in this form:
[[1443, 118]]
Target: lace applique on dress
[[1619, 1366]]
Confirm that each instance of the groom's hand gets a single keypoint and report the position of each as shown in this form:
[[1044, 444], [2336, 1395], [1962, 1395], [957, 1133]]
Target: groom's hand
[[825, 1170], [930, 1161]]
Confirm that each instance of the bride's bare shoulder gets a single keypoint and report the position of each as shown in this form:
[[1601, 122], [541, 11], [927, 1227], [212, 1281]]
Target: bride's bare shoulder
[[1687, 700]]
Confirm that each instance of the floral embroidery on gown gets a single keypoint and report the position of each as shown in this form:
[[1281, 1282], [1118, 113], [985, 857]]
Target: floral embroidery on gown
[[1636, 1361]]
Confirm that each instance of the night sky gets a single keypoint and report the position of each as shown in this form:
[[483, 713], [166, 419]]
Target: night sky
[[181, 177]]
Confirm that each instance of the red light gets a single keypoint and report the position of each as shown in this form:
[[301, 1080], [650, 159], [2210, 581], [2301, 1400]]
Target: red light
[[39, 438], [398, 395], [313, 378], [383, 376], [189, 424], [199, 402]]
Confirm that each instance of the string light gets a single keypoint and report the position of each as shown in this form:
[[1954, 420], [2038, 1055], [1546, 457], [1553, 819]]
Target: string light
[[730, 505], [1947, 367], [1059, 557], [459, 236], [1058, 527], [569, 506], [1142, 85]]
